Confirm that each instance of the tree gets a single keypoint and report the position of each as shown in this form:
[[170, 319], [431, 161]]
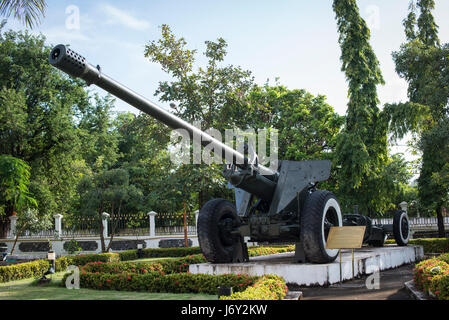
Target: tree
[[42, 120], [14, 181], [29, 12], [98, 139], [214, 95], [307, 126], [107, 191], [361, 150], [423, 62], [31, 221]]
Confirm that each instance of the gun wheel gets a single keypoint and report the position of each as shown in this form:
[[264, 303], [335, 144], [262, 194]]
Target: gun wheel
[[216, 221], [401, 228], [321, 212]]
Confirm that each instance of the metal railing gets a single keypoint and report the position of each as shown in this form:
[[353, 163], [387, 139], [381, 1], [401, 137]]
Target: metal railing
[[129, 225], [415, 222]]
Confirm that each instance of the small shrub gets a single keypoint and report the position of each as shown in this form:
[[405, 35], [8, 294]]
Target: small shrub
[[426, 270], [172, 283], [24, 270], [120, 267], [72, 246], [182, 264], [83, 259], [263, 251], [444, 257], [159, 253], [269, 287], [431, 245], [439, 285], [128, 255], [62, 263]]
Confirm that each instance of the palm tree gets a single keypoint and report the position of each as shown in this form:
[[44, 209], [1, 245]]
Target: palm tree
[[29, 12]]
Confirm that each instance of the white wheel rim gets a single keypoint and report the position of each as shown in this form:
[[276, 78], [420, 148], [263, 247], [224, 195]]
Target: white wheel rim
[[403, 216], [331, 203]]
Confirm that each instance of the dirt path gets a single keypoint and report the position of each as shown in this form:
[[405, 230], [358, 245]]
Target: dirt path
[[391, 288]]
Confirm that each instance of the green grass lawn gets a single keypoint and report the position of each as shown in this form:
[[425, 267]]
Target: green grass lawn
[[27, 290]]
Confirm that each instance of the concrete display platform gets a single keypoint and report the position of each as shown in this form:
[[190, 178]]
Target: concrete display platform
[[367, 260]]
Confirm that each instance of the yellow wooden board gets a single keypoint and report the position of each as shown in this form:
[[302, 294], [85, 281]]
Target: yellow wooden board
[[347, 237]]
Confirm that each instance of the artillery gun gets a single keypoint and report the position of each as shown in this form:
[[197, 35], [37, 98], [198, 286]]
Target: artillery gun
[[273, 206]]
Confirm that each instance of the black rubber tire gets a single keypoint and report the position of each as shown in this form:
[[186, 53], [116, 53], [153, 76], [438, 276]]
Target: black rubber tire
[[313, 233], [216, 245], [401, 228]]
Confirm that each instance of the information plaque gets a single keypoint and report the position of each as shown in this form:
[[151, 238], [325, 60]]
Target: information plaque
[[347, 237]]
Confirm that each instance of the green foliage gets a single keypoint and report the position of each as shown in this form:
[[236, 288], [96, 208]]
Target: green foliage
[[406, 117], [182, 264], [268, 287], [29, 12], [83, 259], [72, 246], [120, 267], [107, 191], [433, 183], [164, 276], [39, 107], [424, 28], [159, 253], [307, 125], [31, 220], [425, 270], [430, 245], [361, 148], [263, 251], [444, 257], [423, 63], [173, 283], [432, 276], [214, 95], [23, 270], [14, 181]]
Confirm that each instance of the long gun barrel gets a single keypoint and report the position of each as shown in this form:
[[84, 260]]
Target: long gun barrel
[[77, 66], [280, 205]]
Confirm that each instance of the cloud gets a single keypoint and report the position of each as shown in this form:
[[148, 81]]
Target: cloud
[[117, 16]]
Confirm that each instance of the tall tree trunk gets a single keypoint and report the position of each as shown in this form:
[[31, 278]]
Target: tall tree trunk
[[440, 220], [5, 222]]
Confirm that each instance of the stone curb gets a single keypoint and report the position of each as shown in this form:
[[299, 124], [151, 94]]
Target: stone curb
[[293, 295], [414, 292]]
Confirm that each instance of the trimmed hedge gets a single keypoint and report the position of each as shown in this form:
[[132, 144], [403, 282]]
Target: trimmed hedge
[[120, 267], [172, 276], [182, 264], [83, 259], [38, 267], [432, 276], [431, 245], [159, 253], [165, 266], [171, 283], [268, 287], [263, 251], [183, 252], [23, 270]]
